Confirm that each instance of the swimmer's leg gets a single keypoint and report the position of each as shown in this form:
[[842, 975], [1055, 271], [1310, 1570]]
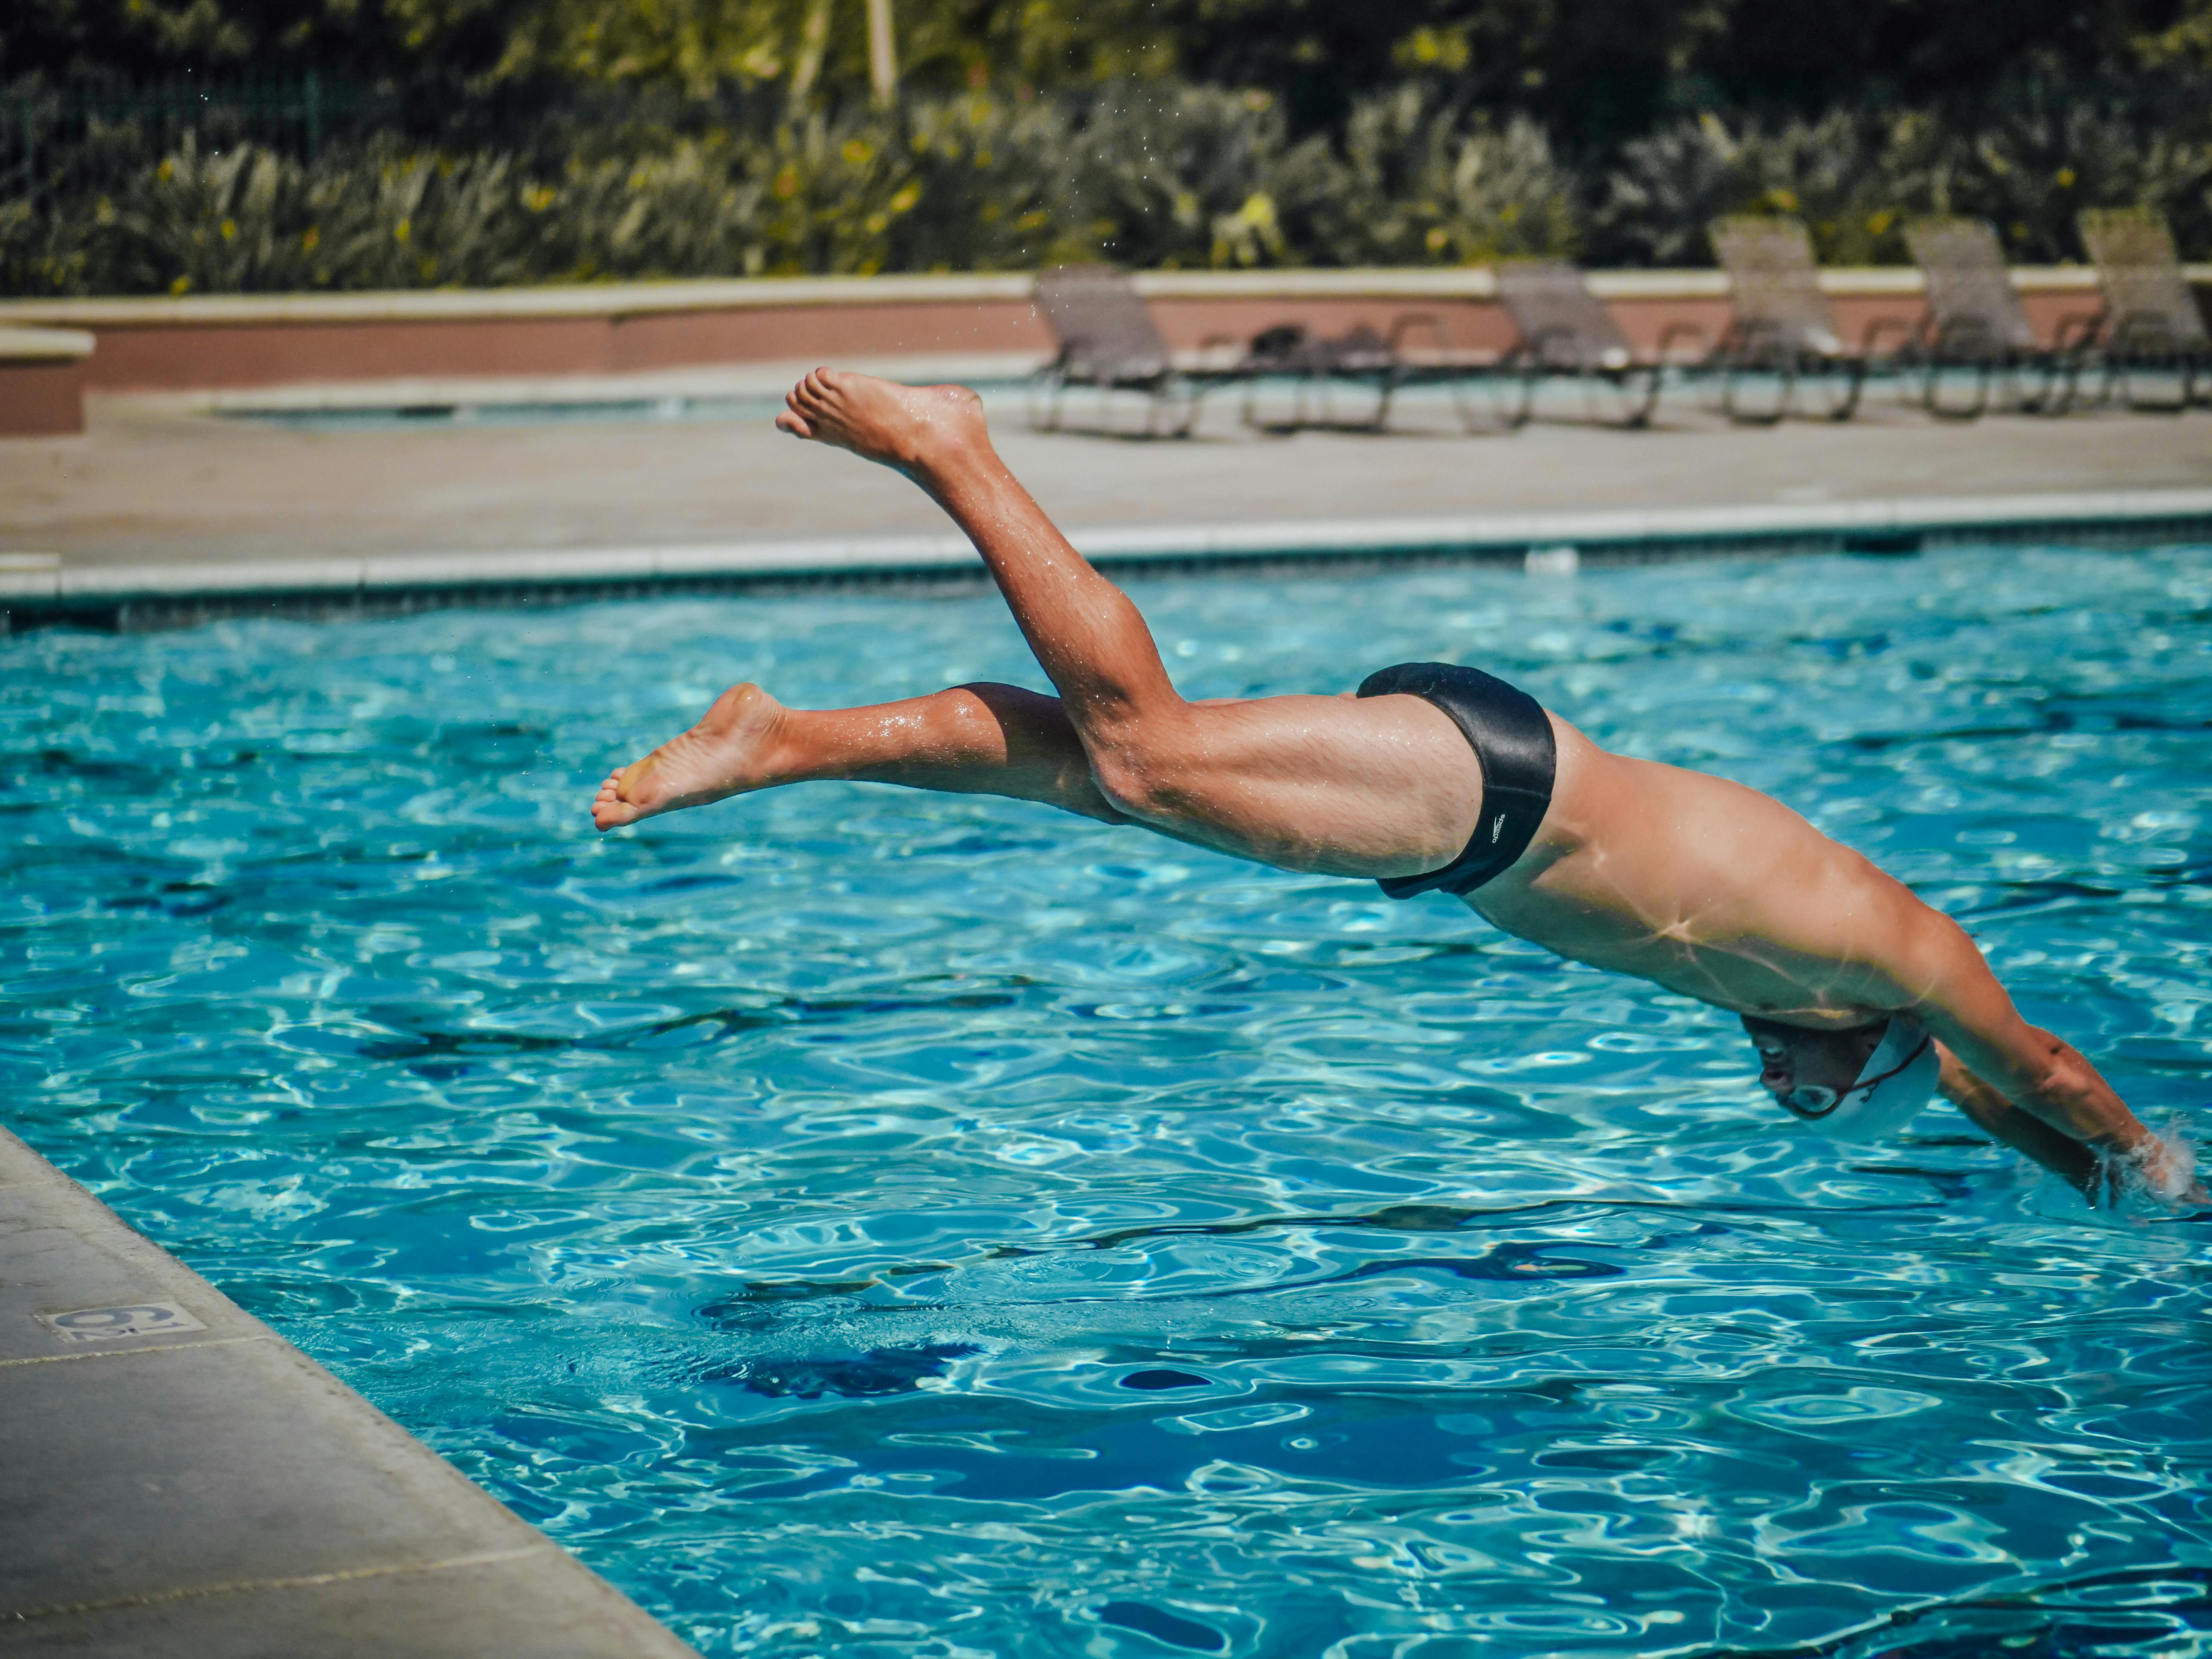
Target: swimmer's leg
[[1374, 787], [978, 739], [971, 740]]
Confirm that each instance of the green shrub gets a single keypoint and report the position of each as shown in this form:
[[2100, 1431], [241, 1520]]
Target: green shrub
[[2031, 173], [999, 189], [1181, 176], [1843, 175], [1856, 180], [1148, 174], [1417, 185]]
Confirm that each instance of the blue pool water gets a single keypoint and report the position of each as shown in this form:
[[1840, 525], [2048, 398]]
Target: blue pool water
[[864, 1223]]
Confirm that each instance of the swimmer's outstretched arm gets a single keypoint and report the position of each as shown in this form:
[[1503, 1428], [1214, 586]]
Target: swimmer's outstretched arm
[[1375, 787], [2033, 1091], [2073, 1161]]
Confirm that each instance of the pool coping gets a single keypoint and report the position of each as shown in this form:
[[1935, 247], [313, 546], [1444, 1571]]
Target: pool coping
[[36, 588], [659, 297], [202, 1486]]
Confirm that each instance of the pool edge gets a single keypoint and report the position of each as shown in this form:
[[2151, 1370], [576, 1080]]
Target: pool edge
[[37, 589], [202, 1487]]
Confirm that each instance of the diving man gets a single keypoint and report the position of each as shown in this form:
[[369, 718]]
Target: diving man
[[1861, 999]]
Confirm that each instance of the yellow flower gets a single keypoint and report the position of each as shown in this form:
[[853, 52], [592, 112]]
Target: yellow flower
[[230, 230], [2066, 178], [1436, 238], [167, 171], [402, 230], [1428, 48], [309, 238], [856, 151], [787, 184], [908, 195], [180, 285]]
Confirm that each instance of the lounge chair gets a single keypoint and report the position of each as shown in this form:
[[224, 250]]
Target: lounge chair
[[1361, 357], [2152, 321], [1565, 328], [1976, 322], [1783, 327], [1108, 341]]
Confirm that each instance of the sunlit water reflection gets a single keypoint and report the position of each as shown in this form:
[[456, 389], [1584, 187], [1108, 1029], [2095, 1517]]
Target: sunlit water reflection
[[864, 1222]]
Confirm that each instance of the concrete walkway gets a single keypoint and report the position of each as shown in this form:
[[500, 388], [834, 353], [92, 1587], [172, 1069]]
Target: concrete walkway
[[154, 482], [176, 1478]]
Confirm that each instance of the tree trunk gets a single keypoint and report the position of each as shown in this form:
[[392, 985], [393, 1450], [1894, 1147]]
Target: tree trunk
[[883, 52], [813, 40]]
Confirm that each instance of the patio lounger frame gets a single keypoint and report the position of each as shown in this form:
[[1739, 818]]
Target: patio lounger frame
[[2152, 320], [1566, 331], [1109, 343], [1784, 323], [1360, 357], [1976, 321]]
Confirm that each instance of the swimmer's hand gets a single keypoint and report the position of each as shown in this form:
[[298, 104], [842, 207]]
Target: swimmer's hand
[[918, 429], [2159, 1169]]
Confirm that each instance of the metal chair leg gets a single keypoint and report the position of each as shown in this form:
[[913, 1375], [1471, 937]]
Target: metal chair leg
[[1785, 370], [1640, 406], [1047, 388]]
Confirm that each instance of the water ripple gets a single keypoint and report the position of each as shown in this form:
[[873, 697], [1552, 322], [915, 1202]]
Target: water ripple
[[864, 1221]]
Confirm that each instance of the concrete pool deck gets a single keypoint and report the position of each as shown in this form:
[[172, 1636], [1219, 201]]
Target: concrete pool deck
[[166, 496], [176, 1478], [156, 476]]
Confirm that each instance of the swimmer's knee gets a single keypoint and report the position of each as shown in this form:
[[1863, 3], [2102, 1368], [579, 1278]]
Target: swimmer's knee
[[1142, 768], [1132, 787]]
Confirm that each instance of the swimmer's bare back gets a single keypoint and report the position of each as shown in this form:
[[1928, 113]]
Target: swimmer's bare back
[[1696, 884]]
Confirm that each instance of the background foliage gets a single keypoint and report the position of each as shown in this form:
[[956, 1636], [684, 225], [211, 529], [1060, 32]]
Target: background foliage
[[184, 145]]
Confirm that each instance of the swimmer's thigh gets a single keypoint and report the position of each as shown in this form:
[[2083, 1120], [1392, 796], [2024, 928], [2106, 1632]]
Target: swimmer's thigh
[[1367, 787]]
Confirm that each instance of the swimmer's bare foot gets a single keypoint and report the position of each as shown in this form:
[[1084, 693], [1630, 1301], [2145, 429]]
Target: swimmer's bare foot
[[915, 429], [729, 752]]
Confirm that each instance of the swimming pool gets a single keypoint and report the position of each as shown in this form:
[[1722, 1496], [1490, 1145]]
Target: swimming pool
[[868, 1223]]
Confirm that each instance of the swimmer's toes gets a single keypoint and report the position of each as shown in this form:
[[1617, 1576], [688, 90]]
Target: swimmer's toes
[[609, 810]]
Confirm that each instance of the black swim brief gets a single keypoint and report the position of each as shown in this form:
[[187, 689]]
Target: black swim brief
[[1512, 742]]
